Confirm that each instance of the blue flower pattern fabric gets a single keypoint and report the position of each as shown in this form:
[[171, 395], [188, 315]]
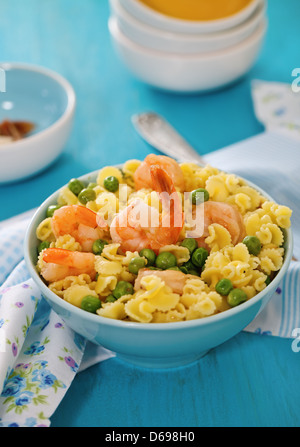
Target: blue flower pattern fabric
[[39, 356]]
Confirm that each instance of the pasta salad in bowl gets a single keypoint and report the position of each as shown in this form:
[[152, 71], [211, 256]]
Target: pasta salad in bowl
[[156, 260]]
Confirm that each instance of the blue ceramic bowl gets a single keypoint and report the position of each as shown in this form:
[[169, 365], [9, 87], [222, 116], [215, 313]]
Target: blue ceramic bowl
[[159, 345], [44, 98]]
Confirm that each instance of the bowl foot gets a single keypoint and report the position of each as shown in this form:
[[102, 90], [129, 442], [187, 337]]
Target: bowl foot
[[161, 362]]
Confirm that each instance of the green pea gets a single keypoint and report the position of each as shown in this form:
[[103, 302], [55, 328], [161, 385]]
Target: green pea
[[199, 195], [123, 288], [110, 299], [86, 195], [190, 243], [187, 267], [236, 297], [51, 210], [98, 246], [90, 303], [224, 286], [75, 186], [43, 245], [253, 244], [136, 264], [165, 260], [177, 269], [199, 257], [111, 183], [149, 255]]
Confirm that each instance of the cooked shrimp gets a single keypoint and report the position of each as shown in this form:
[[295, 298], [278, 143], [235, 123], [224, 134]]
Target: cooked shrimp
[[142, 176], [59, 263], [141, 226], [80, 222], [224, 214], [172, 278]]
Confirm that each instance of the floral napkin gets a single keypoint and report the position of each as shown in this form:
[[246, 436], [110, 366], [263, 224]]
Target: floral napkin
[[40, 355]]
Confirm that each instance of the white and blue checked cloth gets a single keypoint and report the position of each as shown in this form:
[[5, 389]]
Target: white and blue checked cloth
[[37, 364]]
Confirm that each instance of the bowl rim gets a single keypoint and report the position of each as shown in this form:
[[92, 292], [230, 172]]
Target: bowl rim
[[117, 34], [189, 324], [257, 15], [17, 146], [206, 25]]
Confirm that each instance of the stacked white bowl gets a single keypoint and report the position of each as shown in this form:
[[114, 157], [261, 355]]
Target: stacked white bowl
[[185, 55]]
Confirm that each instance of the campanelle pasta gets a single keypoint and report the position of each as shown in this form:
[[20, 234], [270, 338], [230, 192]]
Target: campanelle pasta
[[161, 282]]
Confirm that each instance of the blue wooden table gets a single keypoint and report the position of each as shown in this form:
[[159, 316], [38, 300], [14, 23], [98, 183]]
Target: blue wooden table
[[251, 380]]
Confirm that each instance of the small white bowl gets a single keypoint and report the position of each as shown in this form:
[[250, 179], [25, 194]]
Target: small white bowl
[[188, 73], [156, 39], [153, 18], [44, 98]]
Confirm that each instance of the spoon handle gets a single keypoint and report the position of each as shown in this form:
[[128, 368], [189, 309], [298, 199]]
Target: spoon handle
[[162, 136]]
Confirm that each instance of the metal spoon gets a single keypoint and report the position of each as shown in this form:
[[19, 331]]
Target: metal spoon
[[162, 136]]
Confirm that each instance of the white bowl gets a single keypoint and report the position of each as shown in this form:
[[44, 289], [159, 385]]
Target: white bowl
[[187, 73], [45, 98], [172, 42], [153, 18]]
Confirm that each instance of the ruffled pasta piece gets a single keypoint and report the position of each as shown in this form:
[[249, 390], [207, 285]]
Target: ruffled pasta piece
[[182, 254], [123, 194], [217, 259], [66, 197], [256, 199], [195, 286], [254, 220], [271, 259], [172, 316], [110, 252], [67, 242], [125, 275], [216, 186], [76, 293], [205, 306], [59, 287], [258, 280], [44, 231], [138, 309], [152, 199], [212, 275], [129, 169], [239, 253], [280, 214], [242, 201], [107, 268], [114, 310], [232, 262], [105, 285], [83, 279], [141, 194], [238, 272], [219, 237], [107, 205], [270, 234], [195, 176], [156, 296], [109, 171]]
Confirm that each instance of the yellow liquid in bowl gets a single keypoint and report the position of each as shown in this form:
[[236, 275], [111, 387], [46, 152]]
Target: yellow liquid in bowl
[[197, 9]]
